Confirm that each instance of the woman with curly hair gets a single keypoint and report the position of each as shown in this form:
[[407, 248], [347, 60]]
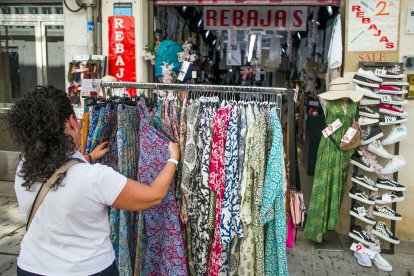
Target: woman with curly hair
[[69, 234]]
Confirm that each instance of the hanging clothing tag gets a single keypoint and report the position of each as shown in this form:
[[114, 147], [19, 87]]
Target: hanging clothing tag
[[350, 133], [180, 56], [329, 130], [183, 71], [362, 249]]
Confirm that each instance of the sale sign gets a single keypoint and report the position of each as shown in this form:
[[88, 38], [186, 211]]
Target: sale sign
[[373, 25], [255, 18], [121, 51], [248, 2]]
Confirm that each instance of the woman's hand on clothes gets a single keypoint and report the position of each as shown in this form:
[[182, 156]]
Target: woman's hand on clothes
[[99, 151], [174, 149]]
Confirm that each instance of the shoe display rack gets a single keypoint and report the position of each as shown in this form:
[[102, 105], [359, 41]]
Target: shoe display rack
[[380, 116]]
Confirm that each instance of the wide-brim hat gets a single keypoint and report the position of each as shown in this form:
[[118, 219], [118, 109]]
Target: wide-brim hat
[[341, 88]]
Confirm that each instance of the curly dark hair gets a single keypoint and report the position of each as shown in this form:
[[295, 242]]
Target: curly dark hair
[[37, 123]]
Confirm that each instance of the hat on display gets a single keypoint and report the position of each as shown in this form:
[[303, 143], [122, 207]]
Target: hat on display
[[341, 88], [109, 78]]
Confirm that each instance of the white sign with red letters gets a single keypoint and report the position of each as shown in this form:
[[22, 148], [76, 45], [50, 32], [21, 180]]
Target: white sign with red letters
[[373, 25], [255, 18]]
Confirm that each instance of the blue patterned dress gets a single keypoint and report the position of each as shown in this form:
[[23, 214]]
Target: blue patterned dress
[[273, 204]]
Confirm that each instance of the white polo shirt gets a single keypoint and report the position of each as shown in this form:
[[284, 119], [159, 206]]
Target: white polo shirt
[[69, 234]]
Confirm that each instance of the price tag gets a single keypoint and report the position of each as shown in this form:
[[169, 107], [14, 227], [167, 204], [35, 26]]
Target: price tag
[[361, 211], [331, 128], [350, 133], [386, 198], [194, 74], [98, 57], [380, 72], [362, 249], [386, 98], [389, 119]]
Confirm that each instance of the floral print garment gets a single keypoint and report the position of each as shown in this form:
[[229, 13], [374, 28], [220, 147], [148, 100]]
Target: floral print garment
[[162, 248], [272, 211], [230, 225], [217, 180]]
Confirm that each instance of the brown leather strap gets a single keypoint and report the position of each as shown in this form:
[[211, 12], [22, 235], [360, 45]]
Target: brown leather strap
[[46, 187]]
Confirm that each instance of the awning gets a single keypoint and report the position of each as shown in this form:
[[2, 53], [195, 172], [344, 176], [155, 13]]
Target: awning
[[248, 2]]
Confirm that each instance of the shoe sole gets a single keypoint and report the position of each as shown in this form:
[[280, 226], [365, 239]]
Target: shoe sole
[[355, 237], [400, 92], [362, 166], [393, 123], [390, 188], [376, 137], [359, 182], [378, 214], [378, 234], [396, 103], [381, 202], [395, 83], [390, 76], [352, 213], [370, 202], [369, 115], [374, 85], [369, 102], [381, 267], [361, 264], [377, 152], [390, 112], [394, 170], [399, 139], [368, 123]]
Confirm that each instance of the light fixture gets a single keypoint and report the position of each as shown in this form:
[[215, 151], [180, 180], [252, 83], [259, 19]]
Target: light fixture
[[329, 9], [184, 9], [200, 22], [214, 42], [283, 50], [207, 33], [298, 34], [251, 46], [316, 22], [230, 70]]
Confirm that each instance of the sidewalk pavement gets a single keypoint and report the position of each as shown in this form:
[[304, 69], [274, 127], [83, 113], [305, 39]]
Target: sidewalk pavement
[[303, 259]]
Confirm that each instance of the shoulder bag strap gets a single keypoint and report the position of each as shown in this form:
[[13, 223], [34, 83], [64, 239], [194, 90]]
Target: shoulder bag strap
[[46, 187]]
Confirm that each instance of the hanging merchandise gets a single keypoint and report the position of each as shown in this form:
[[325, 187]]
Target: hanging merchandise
[[231, 182]]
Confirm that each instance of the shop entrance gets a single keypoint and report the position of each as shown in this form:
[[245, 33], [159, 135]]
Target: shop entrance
[[31, 53]]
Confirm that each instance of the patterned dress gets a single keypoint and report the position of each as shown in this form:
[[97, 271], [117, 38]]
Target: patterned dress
[[330, 174], [217, 180], [162, 247], [272, 211]]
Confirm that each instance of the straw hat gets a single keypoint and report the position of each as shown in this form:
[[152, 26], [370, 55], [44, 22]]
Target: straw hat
[[341, 88]]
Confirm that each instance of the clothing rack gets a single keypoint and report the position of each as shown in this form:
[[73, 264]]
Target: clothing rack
[[288, 93]]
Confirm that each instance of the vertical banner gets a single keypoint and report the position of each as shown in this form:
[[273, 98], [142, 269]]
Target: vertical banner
[[373, 25], [121, 51]]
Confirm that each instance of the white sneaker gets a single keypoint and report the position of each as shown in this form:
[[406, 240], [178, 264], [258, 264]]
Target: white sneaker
[[397, 134], [381, 263], [397, 163], [367, 92], [363, 260], [368, 101], [377, 148], [364, 121], [368, 74]]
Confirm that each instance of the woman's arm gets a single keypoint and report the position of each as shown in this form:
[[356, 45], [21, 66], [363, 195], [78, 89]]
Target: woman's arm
[[138, 196]]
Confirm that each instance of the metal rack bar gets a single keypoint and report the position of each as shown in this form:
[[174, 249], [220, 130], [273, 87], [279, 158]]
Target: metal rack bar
[[193, 87]]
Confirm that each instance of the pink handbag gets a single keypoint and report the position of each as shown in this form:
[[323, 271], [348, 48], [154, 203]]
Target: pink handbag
[[291, 232], [297, 207]]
